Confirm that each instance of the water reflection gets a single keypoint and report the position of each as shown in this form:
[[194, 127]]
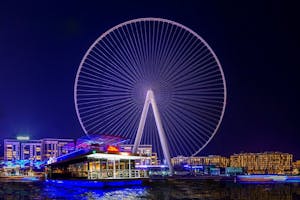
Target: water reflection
[[158, 190], [224, 190]]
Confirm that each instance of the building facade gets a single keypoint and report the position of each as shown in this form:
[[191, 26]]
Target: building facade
[[143, 150], [263, 163], [12, 150], [31, 150], [216, 160], [54, 147], [34, 150]]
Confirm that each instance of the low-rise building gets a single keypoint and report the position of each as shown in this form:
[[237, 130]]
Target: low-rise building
[[216, 160], [143, 150], [23, 148], [296, 167], [263, 163]]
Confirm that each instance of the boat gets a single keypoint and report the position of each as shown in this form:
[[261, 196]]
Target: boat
[[261, 178], [19, 178], [96, 168]]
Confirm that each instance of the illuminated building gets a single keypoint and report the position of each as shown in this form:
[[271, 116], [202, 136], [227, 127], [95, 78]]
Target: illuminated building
[[31, 150], [11, 150], [53, 147], [263, 163], [216, 160], [150, 158], [296, 167], [23, 148]]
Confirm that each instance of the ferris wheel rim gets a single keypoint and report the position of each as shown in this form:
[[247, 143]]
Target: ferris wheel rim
[[145, 19]]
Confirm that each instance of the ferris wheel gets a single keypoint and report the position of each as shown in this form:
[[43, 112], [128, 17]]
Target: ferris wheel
[[158, 62]]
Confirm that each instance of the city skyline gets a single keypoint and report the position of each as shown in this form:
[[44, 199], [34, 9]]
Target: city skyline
[[261, 74]]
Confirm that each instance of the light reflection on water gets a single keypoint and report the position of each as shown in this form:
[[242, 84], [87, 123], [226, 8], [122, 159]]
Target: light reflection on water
[[160, 190]]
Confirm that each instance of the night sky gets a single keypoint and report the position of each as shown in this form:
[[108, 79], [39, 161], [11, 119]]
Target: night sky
[[258, 45]]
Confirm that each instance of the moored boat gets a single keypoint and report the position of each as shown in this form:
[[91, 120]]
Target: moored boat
[[261, 178]]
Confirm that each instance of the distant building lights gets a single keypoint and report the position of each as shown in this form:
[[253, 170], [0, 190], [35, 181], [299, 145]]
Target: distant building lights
[[23, 138]]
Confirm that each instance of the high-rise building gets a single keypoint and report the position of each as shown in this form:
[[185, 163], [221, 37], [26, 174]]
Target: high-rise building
[[263, 163], [23, 148]]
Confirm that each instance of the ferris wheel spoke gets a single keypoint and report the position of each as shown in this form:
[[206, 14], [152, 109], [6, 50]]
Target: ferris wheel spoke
[[190, 114], [132, 34], [92, 71], [110, 67], [93, 79], [205, 112], [199, 106], [136, 51], [104, 104], [132, 60], [166, 49], [194, 59], [187, 58], [138, 42], [182, 129], [170, 50], [161, 45], [198, 65], [191, 66], [116, 64], [174, 49], [107, 113], [194, 136], [144, 40], [132, 125], [180, 53], [88, 116], [175, 137], [138, 39], [205, 81], [210, 115], [117, 127], [206, 126], [113, 60], [111, 122], [210, 73], [102, 91], [85, 81], [217, 105], [105, 89], [107, 106], [185, 87]]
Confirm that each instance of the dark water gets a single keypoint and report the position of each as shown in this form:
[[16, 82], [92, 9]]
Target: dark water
[[159, 190]]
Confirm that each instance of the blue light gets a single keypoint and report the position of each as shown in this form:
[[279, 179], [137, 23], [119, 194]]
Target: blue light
[[259, 179], [72, 154], [98, 184]]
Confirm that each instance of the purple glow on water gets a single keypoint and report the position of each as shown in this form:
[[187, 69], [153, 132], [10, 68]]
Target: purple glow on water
[[191, 189]]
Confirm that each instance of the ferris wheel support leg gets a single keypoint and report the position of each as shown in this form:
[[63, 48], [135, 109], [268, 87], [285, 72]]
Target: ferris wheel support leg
[[162, 136], [161, 133], [140, 130]]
